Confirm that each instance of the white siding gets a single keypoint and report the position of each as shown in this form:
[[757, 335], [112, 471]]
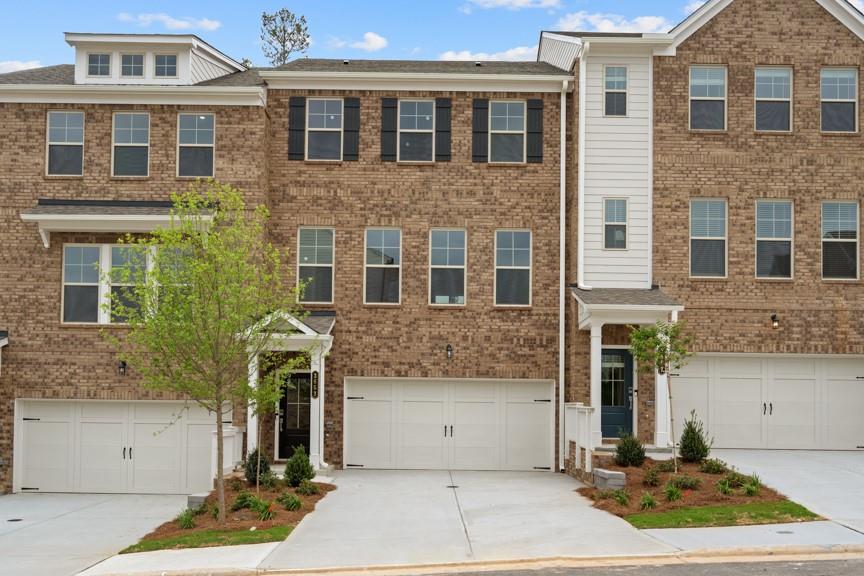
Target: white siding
[[204, 68], [558, 52], [618, 165]]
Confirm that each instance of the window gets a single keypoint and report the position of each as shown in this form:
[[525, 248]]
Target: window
[[512, 268], [773, 239], [166, 66], [507, 132], [615, 224], [324, 129], [132, 65], [416, 130], [128, 266], [707, 98], [315, 264], [840, 100], [99, 65], [774, 99], [447, 267], [195, 141], [65, 144], [81, 278], [708, 238], [616, 91], [85, 288], [131, 144], [383, 262], [840, 240]]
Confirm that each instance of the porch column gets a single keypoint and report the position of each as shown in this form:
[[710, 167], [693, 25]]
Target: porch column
[[251, 416], [316, 363], [661, 410], [596, 388]]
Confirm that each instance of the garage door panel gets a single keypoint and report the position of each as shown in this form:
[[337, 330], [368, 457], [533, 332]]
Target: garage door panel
[[738, 412], [156, 458], [739, 367], [791, 414], [368, 434], [468, 391], [102, 458], [843, 401], [689, 393], [198, 448], [527, 438], [421, 434], [47, 455], [844, 369], [476, 436]]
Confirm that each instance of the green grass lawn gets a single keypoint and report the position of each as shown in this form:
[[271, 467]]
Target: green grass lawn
[[742, 514], [213, 538]]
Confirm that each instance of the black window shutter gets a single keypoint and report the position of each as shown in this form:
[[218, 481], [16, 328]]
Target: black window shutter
[[351, 130], [389, 113], [297, 128], [442, 129], [480, 129], [534, 131]]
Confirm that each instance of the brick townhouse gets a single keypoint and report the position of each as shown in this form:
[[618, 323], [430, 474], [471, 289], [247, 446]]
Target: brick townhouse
[[477, 237]]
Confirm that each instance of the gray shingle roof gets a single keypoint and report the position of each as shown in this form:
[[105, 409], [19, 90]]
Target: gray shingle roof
[[421, 66], [624, 297], [248, 78], [59, 74], [321, 321], [100, 207]]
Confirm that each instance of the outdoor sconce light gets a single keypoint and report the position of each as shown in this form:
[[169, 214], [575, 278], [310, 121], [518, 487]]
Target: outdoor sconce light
[[775, 321], [121, 368], [449, 352]]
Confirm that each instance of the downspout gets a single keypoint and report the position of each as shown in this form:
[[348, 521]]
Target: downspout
[[580, 250], [562, 280]]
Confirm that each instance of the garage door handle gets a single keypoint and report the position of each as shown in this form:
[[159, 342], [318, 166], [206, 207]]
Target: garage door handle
[[771, 409], [451, 430], [445, 431], [124, 452], [356, 398], [764, 408], [130, 452]]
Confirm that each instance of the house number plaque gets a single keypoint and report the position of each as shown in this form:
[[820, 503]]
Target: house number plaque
[[315, 384]]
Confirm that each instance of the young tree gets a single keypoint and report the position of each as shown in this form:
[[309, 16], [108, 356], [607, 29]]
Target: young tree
[[662, 347], [203, 307], [282, 34]]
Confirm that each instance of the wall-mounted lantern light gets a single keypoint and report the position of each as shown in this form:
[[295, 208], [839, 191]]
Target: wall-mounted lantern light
[[449, 352], [775, 321], [122, 367]]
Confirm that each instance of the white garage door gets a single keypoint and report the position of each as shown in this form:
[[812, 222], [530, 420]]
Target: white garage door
[[112, 447], [774, 401], [431, 424]]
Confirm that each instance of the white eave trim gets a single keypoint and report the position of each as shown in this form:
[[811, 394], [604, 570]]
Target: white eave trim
[[414, 81], [132, 95]]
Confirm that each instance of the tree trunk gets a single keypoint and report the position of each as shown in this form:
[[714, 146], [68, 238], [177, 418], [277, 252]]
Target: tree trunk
[[258, 452], [220, 474], [672, 421]]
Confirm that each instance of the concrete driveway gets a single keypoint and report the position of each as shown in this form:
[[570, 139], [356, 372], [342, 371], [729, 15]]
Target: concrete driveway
[[380, 518], [62, 534], [830, 484]]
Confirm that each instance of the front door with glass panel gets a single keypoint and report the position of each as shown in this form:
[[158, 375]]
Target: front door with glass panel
[[294, 415], [616, 383]]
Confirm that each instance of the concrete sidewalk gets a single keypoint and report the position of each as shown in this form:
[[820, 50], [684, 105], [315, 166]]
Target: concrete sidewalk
[[212, 561]]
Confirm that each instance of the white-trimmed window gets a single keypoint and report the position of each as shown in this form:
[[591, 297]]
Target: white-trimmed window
[[383, 263], [773, 99], [196, 138], [615, 90], [315, 264], [132, 65], [65, 154], [507, 131], [615, 223], [128, 265], [839, 90], [707, 238], [131, 154], [774, 239], [416, 131], [447, 267], [324, 120], [165, 66], [99, 65], [512, 268], [840, 240], [708, 98]]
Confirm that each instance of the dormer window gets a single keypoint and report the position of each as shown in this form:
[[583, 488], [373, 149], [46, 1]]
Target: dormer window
[[132, 65], [98, 64], [166, 66]]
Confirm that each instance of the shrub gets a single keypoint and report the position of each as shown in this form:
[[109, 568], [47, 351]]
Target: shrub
[[724, 487], [751, 489], [695, 446], [308, 488], [604, 494], [713, 466], [648, 502], [289, 501], [251, 467], [685, 482], [269, 481], [672, 493], [264, 509], [298, 468], [214, 512], [186, 519], [652, 477], [244, 500], [755, 480], [235, 484], [621, 497], [630, 451], [666, 466], [735, 479]]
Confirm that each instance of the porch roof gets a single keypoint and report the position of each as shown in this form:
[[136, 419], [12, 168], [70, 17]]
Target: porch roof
[[601, 306], [321, 321]]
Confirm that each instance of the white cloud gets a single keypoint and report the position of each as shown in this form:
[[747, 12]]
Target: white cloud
[[465, 9], [598, 22], [170, 22], [16, 65], [335, 43], [693, 6], [517, 53], [372, 42], [516, 4]]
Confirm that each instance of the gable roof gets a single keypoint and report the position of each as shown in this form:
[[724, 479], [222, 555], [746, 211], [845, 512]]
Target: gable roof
[[419, 66]]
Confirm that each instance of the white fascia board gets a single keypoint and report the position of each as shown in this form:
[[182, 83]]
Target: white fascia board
[[561, 37], [847, 14], [289, 80], [119, 223], [73, 38], [134, 95], [212, 52]]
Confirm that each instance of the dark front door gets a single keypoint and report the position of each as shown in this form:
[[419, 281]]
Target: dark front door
[[616, 381], [294, 415]]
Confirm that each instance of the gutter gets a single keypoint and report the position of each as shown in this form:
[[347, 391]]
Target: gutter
[[562, 280], [130, 94], [580, 250]]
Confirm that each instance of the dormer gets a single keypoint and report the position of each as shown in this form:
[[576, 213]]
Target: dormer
[[147, 59]]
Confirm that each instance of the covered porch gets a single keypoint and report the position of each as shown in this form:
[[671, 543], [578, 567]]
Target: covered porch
[[610, 365]]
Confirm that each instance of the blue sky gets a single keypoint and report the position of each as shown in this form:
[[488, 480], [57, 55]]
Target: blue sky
[[32, 31]]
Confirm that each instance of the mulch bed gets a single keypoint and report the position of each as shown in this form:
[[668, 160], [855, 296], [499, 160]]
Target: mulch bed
[[706, 495], [244, 519]]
